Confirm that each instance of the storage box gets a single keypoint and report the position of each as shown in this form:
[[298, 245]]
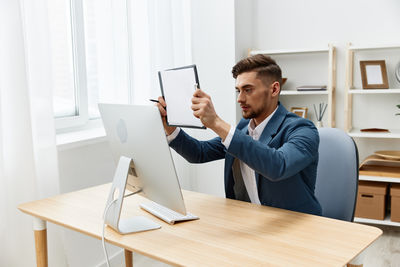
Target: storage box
[[395, 202], [371, 200]]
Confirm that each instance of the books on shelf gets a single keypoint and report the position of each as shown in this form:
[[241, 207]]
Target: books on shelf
[[311, 88]]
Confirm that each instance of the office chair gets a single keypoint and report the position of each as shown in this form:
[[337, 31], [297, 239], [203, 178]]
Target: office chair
[[337, 174]]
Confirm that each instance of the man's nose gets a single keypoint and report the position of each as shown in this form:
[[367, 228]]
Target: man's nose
[[240, 97]]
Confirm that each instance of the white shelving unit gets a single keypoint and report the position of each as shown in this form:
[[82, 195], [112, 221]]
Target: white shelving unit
[[379, 178], [295, 92], [386, 221], [375, 47], [355, 132], [351, 91], [331, 86], [282, 52], [374, 91]]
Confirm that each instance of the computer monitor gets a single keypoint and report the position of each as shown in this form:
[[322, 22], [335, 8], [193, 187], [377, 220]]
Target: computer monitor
[[137, 132]]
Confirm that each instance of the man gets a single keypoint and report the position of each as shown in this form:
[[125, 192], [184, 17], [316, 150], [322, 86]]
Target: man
[[271, 156]]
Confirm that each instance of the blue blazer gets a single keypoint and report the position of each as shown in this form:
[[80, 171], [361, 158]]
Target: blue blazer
[[284, 159]]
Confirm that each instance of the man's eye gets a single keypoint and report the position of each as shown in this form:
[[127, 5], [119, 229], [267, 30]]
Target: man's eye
[[248, 90]]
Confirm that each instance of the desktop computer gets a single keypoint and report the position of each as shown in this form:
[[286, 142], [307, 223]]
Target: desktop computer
[[139, 146]]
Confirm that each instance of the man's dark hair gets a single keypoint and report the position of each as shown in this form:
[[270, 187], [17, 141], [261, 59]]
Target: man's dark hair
[[267, 69]]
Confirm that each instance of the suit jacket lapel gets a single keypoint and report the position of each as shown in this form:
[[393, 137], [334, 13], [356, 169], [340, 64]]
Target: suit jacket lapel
[[230, 160], [273, 125], [271, 129]]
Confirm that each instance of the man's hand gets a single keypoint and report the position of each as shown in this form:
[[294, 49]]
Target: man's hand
[[162, 108], [203, 109]]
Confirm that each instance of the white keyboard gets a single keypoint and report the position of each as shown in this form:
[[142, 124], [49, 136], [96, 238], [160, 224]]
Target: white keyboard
[[166, 214]]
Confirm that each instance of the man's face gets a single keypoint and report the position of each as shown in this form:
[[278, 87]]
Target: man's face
[[256, 99]]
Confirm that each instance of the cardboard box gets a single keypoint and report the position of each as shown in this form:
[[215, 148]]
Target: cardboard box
[[371, 200], [395, 203]]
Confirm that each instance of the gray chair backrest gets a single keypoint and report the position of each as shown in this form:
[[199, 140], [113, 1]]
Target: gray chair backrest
[[337, 174]]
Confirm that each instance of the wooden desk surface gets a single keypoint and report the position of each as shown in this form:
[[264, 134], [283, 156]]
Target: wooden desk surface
[[229, 232]]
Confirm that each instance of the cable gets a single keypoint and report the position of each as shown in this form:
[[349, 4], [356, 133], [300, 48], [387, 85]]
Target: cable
[[104, 224], [102, 236]]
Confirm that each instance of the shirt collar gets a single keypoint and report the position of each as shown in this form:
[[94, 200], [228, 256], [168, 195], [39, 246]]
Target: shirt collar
[[255, 132]]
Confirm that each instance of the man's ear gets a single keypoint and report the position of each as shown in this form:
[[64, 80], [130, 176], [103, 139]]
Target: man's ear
[[276, 88]]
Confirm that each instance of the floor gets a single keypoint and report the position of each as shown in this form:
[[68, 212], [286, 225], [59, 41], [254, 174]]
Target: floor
[[384, 252]]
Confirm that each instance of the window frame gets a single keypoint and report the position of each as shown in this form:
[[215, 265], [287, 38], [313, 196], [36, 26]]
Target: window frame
[[81, 120], [79, 71]]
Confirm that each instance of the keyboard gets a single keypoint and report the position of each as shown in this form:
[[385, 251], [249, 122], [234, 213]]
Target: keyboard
[[166, 214]]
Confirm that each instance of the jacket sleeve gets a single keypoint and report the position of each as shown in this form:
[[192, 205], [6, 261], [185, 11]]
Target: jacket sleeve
[[196, 151], [300, 148]]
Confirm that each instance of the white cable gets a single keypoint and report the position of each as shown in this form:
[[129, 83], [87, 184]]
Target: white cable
[[104, 225], [102, 236]]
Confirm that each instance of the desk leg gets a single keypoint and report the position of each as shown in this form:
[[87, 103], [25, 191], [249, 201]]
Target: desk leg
[[128, 258], [358, 261], [40, 229]]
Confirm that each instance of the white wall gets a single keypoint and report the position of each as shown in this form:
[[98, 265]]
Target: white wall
[[82, 167], [290, 24], [213, 48], [244, 35]]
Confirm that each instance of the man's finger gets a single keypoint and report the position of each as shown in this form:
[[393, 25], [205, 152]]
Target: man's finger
[[162, 101], [196, 114], [199, 93], [196, 100], [195, 107], [161, 109]]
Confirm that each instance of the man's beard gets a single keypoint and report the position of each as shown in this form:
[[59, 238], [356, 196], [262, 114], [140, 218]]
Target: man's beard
[[254, 113], [251, 115]]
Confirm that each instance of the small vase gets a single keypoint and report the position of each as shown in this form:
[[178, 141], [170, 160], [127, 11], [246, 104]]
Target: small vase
[[319, 124]]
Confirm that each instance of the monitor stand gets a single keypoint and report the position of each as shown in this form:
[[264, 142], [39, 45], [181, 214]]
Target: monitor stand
[[116, 198]]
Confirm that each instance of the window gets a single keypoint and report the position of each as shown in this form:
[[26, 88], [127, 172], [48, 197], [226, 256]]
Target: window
[[102, 49], [64, 103], [107, 57], [90, 58]]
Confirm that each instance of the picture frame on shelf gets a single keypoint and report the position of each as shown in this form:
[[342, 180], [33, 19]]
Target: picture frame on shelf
[[374, 74], [299, 111]]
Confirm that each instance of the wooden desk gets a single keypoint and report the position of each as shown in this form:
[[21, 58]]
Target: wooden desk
[[229, 232]]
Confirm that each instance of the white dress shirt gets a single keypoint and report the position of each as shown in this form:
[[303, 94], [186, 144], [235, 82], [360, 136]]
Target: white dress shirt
[[248, 174], [173, 135]]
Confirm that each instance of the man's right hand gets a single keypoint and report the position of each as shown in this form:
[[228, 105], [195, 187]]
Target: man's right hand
[[162, 108]]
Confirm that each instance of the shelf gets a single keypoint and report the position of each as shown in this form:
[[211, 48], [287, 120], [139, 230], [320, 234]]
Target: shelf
[[387, 221], [374, 91], [378, 179], [328, 95], [373, 47], [350, 93], [282, 52], [295, 92], [394, 133]]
